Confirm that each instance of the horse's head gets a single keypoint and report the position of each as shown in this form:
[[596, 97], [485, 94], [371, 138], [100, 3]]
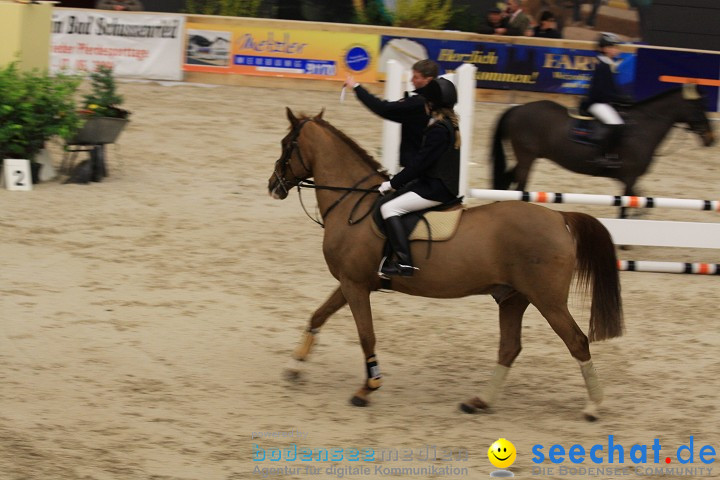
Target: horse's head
[[291, 168], [693, 113]]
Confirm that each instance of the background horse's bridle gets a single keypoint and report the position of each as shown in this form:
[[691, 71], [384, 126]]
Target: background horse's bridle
[[300, 182]]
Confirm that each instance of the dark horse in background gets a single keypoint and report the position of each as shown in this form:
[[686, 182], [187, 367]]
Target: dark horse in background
[[542, 130]]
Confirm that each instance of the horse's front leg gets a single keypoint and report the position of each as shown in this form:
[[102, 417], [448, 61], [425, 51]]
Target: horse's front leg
[[334, 303], [358, 298]]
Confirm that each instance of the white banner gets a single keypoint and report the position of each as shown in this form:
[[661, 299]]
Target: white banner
[[135, 45]]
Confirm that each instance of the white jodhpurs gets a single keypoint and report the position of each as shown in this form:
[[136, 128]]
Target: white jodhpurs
[[406, 203], [606, 114]]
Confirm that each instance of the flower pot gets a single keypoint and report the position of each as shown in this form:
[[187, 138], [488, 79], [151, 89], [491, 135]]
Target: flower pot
[[99, 131]]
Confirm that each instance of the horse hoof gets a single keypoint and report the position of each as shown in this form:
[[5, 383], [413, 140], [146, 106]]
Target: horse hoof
[[591, 413], [293, 370], [359, 401], [474, 405]]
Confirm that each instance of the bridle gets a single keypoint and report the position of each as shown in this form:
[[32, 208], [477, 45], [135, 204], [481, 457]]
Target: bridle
[[300, 182], [284, 161]]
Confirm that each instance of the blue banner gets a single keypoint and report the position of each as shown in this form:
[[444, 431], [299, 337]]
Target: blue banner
[[655, 65], [514, 67]]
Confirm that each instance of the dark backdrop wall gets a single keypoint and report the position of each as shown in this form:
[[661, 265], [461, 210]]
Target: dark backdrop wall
[[685, 24], [150, 5]]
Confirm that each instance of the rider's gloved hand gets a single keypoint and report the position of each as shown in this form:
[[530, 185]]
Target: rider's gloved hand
[[385, 187]]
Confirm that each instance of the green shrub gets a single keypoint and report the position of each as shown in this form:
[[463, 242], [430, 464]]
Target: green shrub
[[374, 13], [430, 14], [34, 107], [103, 99]]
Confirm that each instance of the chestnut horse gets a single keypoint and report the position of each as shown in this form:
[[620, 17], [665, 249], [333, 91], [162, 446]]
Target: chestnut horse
[[520, 253], [541, 130]]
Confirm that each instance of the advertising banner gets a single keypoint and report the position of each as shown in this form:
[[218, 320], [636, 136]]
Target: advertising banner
[[134, 45], [280, 52], [507, 66], [660, 70]]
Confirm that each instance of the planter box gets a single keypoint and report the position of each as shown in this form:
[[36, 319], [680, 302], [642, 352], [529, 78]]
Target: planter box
[[99, 131]]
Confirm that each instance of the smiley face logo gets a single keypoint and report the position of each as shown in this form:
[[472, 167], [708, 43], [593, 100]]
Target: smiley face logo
[[502, 453]]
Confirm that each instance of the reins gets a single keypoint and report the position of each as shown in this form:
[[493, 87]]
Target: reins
[[348, 190]]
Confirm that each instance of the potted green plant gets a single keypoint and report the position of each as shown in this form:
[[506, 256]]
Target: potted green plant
[[34, 107], [101, 112], [103, 121]]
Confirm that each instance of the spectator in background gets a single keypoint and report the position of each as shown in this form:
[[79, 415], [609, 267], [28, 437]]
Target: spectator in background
[[547, 28], [643, 7], [590, 21], [120, 5], [518, 21], [495, 23]]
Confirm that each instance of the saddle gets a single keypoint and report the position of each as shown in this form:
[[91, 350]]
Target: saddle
[[586, 129], [436, 224]]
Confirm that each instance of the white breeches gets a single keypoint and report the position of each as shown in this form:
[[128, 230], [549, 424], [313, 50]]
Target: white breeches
[[606, 114], [406, 203]]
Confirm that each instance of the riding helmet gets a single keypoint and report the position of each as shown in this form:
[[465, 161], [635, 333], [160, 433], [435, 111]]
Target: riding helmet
[[607, 39], [440, 92]]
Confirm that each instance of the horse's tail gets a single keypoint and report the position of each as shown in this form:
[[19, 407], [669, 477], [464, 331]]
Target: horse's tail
[[502, 178], [597, 265]]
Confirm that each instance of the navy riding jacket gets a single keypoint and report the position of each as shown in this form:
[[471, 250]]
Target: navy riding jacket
[[603, 88], [409, 112], [434, 172]]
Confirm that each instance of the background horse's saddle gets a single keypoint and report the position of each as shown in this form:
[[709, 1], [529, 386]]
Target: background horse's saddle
[[585, 128]]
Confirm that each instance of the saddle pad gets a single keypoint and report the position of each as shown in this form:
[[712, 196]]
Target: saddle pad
[[442, 225], [579, 116]]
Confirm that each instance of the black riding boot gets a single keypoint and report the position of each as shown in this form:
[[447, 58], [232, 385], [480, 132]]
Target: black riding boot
[[402, 264], [609, 146]]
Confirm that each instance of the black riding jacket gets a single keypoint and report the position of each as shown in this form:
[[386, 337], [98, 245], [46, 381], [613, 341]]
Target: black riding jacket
[[409, 112], [603, 88], [435, 169]]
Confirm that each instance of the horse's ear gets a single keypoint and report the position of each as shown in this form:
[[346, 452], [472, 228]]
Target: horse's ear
[[319, 115], [690, 91], [291, 116]]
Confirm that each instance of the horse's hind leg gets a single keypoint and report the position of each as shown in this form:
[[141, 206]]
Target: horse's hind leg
[[334, 303], [511, 313], [576, 341]]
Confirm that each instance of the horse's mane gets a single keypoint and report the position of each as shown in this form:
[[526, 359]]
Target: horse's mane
[[364, 156], [659, 96]]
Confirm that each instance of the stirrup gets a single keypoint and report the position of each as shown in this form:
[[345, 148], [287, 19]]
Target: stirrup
[[396, 268]]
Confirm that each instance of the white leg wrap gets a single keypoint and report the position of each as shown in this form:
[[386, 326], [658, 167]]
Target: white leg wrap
[[491, 391], [592, 382]]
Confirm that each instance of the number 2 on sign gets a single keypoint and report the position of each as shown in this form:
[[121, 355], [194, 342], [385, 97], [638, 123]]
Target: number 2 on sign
[[19, 178]]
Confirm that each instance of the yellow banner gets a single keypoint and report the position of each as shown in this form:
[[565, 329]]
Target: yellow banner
[[281, 52]]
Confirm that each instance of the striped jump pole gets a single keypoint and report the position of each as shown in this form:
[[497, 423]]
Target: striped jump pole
[[669, 267], [602, 200]]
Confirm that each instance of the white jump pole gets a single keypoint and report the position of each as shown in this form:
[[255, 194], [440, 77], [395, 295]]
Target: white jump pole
[[669, 267], [660, 233], [466, 86], [392, 130], [603, 200]]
